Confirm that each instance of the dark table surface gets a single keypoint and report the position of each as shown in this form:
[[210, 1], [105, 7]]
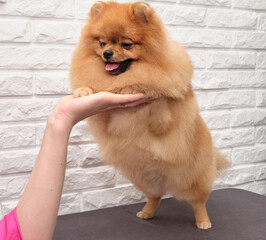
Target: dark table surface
[[235, 215]]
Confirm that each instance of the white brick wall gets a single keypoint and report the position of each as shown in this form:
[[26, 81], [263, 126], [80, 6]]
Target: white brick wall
[[226, 40]]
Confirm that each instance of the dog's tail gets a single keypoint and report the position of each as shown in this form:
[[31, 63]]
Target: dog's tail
[[221, 162]]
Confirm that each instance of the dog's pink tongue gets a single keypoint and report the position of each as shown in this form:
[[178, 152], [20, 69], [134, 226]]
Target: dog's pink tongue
[[111, 66]]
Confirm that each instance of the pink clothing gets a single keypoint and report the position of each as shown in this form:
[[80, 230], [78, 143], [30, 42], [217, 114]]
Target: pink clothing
[[9, 227]]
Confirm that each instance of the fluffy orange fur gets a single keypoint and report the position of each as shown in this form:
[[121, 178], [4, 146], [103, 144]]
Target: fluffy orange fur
[[161, 147]]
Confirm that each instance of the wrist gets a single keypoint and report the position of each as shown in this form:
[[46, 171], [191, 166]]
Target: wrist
[[60, 123]]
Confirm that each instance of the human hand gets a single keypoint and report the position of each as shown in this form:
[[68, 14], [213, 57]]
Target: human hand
[[70, 110]]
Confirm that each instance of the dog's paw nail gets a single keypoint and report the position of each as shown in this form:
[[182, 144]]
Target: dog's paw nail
[[204, 225], [144, 215]]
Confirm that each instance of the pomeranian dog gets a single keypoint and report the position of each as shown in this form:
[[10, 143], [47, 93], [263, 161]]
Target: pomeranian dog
[[161, 147]]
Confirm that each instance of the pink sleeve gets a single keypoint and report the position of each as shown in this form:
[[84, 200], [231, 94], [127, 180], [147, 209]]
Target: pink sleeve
[[9, 227]]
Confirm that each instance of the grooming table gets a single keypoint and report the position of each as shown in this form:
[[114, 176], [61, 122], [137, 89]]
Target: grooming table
[[235, 215]]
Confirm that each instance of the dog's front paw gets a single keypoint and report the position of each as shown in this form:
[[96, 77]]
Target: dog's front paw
[[204, 225], [83, 91], [144, 215]]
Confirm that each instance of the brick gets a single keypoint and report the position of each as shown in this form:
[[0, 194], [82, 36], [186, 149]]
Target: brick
[[198, 58], [39, 133], [247, 79], [120, 195], [93, 156], [231, 99], [91, 178], [261, 134], [202, 38], [249, 40], [15, 31], [260, 153], [228, 79], [236, 175], [223, 3], [11, 187], [262, 21], [74, 155], [17, 161], [218, 60], [70, 203], [261, 99], [34, 58], [41, 8], [179, 15], [261, 60], [233, 137], [250, 154], [241, 118], [84, 156], [211, 80], [17, 110], [17, 136], [261, 171], [80, 133], [56, 83], [242, 99], [202, 99], [250, 4], [216, 120], [54, 32], [16, 84], [231, 18]]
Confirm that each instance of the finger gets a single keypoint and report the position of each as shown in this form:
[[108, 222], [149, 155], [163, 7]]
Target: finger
[[131, 104], [111, 99], [127, 104], [126, 98], [134, 104]]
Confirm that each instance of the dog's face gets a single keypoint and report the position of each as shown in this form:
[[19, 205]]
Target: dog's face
[[117, 51], [120, 33]]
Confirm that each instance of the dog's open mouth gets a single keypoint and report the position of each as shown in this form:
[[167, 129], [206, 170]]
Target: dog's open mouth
[[118, 67]]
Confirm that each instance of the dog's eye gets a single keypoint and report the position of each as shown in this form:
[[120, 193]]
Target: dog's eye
[[126, 45], [102, 44]]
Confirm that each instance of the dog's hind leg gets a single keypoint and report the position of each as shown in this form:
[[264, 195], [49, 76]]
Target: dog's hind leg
[[198, 196], [201, 215]]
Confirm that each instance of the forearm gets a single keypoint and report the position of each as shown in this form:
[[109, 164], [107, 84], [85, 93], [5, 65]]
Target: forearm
[[38, 207]]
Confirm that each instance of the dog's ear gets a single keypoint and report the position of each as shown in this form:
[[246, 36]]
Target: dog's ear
[[97, 8], [141, 11]]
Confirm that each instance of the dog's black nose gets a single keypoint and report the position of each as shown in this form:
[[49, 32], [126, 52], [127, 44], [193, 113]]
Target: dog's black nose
[[107, 54]]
